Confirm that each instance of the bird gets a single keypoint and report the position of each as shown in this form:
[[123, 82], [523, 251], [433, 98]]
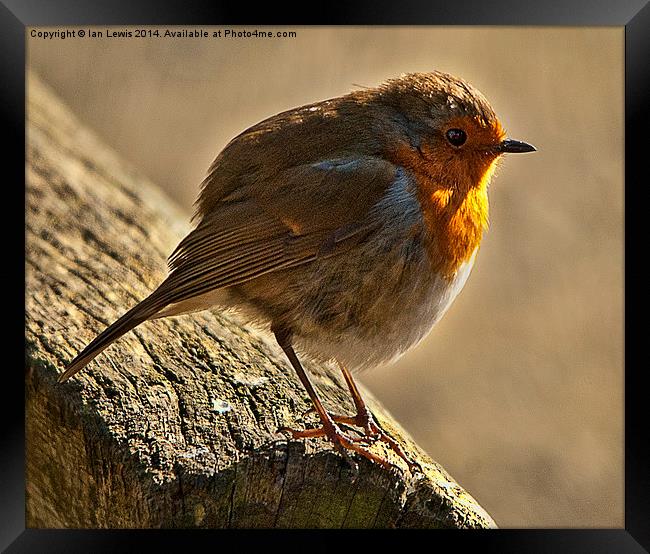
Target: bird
[[345, 227]]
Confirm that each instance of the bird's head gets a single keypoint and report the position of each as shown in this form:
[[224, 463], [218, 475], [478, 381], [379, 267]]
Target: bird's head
[[449, 130]]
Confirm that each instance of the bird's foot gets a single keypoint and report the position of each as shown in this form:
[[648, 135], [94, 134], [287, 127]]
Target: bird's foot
[[372, 432], [342, 442]]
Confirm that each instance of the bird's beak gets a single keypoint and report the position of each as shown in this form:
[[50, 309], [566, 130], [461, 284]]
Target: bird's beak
[[515, 146]]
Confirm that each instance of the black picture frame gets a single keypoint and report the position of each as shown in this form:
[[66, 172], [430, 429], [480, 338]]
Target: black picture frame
[[634, 15]]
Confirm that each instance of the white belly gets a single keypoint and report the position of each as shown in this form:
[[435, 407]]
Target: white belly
[[393, 325]]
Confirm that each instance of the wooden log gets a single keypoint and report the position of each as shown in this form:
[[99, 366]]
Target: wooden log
[[176, 424]]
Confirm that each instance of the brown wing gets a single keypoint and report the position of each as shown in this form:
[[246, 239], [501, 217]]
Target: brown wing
[[310, 211], [264, 227], [264, 206]]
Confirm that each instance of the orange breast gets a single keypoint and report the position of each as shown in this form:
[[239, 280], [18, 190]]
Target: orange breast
[[454, 203]]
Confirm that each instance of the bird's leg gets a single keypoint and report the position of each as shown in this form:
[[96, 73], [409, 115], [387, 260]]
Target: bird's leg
[[366, 421], [329, 427]]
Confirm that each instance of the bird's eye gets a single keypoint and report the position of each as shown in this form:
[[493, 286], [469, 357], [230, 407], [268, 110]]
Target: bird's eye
[[457, 137]]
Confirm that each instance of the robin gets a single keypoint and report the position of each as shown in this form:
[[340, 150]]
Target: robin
[[347, 227]]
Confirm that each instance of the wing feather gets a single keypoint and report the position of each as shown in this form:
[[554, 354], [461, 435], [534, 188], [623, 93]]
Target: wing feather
[[305, 212]]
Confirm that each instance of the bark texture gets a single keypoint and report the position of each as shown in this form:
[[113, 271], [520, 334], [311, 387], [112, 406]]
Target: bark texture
[[176, 424]]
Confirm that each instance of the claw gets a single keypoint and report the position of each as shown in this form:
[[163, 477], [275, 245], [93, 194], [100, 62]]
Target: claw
[[373, 432], [342, 442]]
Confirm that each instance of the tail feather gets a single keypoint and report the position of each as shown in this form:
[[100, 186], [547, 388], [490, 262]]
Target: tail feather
[[131, 319]]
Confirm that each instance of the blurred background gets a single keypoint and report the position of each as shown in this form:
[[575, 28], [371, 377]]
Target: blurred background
[[518, 391]]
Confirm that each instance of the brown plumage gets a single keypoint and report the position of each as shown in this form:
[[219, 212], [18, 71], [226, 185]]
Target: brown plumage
[[347, 226]]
